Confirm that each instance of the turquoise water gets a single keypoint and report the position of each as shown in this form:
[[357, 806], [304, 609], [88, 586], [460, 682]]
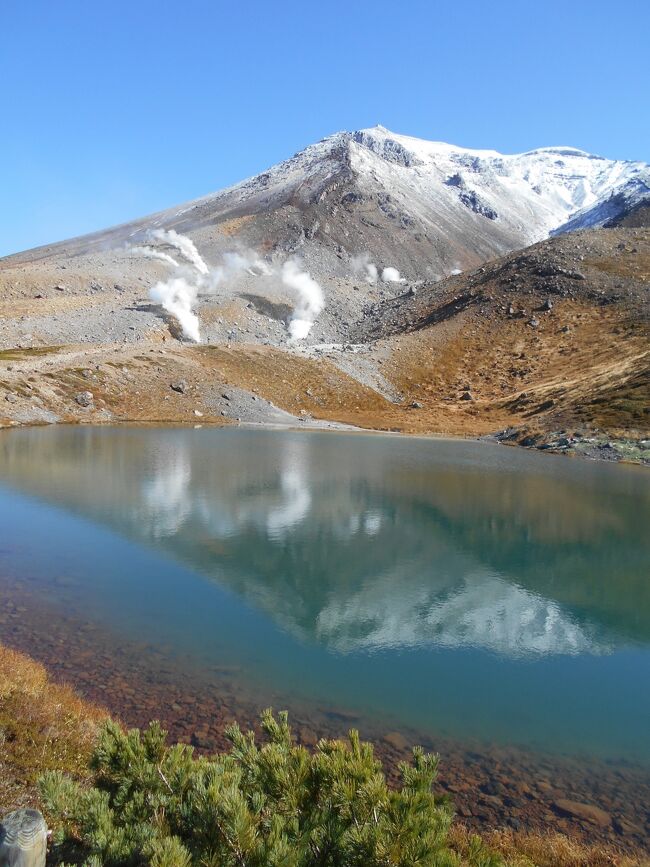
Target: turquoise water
[[455, 588]]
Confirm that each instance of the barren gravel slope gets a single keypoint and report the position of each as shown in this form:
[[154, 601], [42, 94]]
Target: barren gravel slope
[[549, 344]]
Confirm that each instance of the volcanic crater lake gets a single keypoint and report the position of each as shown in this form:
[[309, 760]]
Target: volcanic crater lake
[[456, 591]]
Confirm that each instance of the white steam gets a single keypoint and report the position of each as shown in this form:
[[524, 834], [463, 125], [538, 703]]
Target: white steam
[[234, 264], [392, 275], [362, 265], [310, 299], [181, 243], [179, 293], [153, 253], [178, 296]]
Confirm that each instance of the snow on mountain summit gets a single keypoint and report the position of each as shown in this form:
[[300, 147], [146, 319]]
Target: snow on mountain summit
[[537, 190], [542, 188], [429, 207], [425, 208]]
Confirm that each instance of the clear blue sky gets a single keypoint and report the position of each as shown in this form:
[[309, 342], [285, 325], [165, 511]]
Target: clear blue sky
[[113, 109]]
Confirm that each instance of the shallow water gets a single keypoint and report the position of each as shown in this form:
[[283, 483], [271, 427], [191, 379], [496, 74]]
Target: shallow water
[[448, 589]]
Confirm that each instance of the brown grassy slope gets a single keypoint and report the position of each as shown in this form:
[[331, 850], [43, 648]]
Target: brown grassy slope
[[520, 849], [43, 726], [539, 379], [583, 364], [297, 384]]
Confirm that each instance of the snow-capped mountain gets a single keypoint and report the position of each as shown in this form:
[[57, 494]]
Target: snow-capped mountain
[[539, 190], [533, 193], [426, 208]]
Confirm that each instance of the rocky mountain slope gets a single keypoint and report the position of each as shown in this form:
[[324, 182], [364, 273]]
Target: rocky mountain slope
[[549, 345], [345, 247], [425, 208]]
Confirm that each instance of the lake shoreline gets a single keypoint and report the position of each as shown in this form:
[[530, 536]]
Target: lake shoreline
[[53, 728], [602, 450], [221, 385]]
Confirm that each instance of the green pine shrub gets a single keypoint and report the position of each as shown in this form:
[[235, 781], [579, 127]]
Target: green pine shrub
[[275, 805]]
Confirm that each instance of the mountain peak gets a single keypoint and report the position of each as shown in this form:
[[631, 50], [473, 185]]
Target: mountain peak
[[433, 147], [425, 208]]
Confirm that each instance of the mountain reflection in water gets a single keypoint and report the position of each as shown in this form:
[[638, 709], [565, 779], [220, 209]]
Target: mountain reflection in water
[[361, 543], [459, 585]]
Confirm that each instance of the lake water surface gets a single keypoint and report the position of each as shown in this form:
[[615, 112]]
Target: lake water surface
[[451, 590]]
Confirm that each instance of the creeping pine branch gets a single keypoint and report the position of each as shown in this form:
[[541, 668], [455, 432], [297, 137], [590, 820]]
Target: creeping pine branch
[[165, 780]]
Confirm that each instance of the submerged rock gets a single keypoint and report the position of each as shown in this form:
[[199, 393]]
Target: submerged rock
[[396, 740], [578, 810]]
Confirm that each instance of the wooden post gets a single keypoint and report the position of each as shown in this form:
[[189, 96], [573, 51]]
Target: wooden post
[[23, 839]]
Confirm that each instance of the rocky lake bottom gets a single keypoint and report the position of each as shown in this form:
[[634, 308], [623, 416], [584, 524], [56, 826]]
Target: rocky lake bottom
[[487, 604], [491, 785]]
